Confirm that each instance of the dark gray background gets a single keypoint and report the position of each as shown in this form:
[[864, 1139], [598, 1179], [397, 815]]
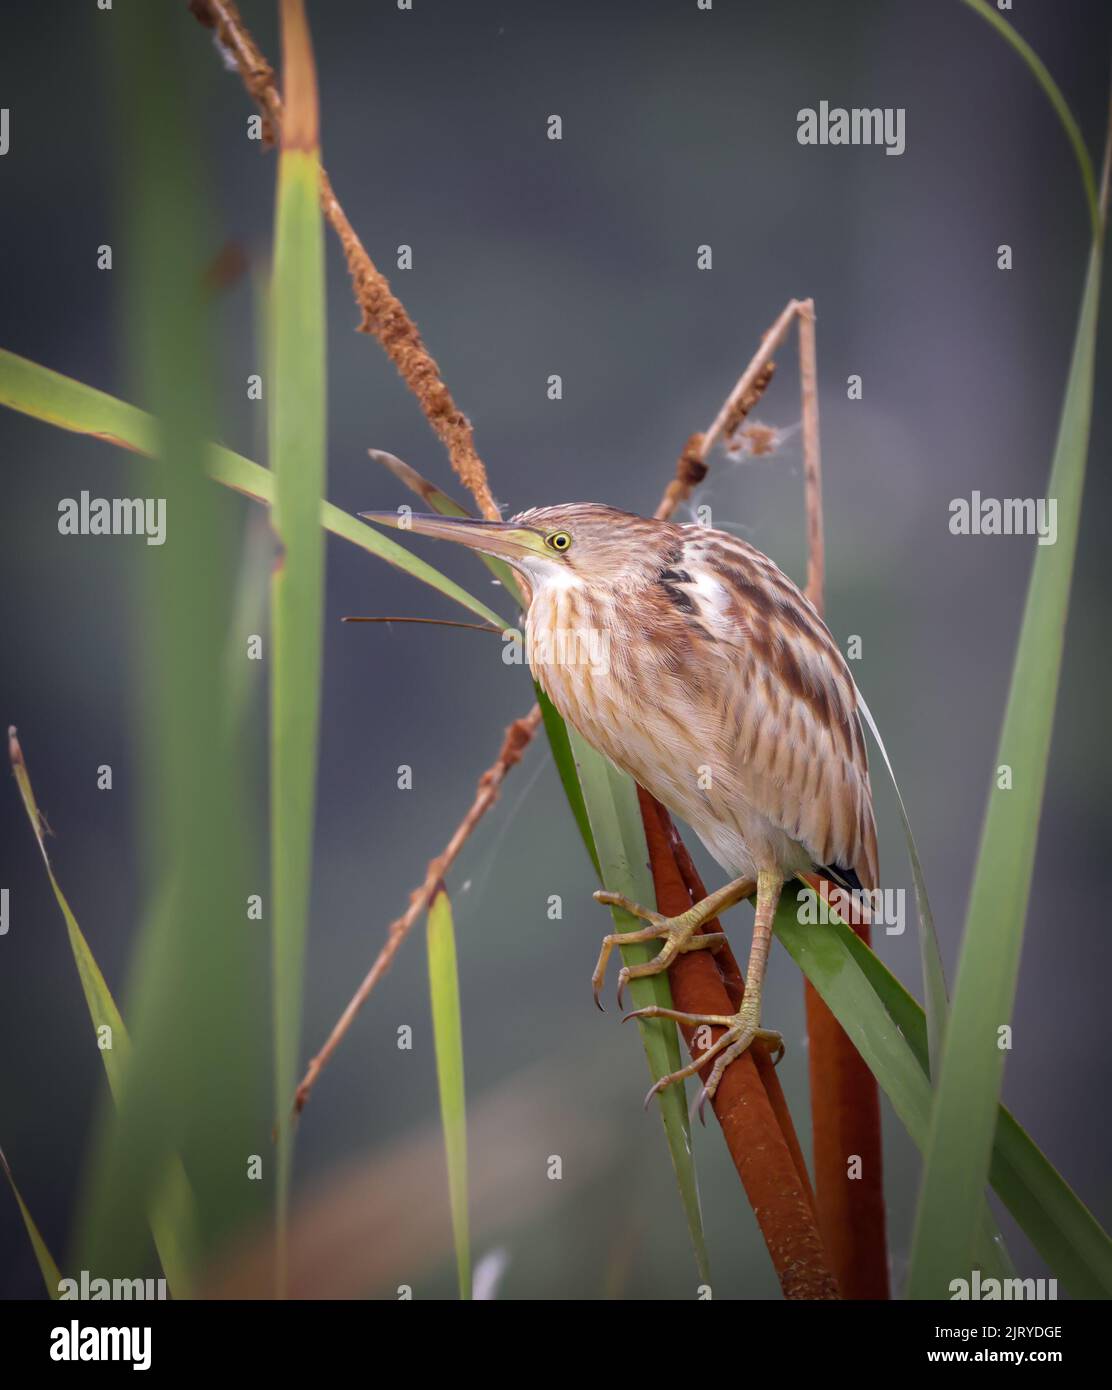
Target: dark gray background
[[534, 257]]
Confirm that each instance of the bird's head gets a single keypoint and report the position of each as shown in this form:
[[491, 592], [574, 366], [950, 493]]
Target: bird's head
[[577, 542]]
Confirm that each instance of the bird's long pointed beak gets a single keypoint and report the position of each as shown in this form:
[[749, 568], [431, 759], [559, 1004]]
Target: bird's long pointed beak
[[492, 537]]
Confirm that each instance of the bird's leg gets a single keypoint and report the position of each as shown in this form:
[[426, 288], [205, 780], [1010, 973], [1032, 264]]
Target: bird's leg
[[744, 1027], [679, 933]]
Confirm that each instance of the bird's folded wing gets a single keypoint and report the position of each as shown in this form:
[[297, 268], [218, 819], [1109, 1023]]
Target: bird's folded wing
[[779, 704]]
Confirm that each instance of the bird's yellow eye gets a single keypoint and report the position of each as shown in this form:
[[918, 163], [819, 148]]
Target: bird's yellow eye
[[558, 540]]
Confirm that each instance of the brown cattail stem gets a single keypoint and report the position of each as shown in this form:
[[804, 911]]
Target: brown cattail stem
[[750, 1108], [734, 981], [845, 1120]]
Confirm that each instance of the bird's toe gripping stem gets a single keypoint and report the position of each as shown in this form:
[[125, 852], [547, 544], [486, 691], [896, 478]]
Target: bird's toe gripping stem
[[742, 1030], [679, 934]]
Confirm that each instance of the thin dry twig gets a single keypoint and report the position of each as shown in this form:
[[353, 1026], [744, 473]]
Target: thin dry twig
[[812, 458], [383, 314], [518, 737], [692, 466], [845, 1100]]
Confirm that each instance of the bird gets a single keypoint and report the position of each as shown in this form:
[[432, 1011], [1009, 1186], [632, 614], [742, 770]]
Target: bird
[[695, 664]]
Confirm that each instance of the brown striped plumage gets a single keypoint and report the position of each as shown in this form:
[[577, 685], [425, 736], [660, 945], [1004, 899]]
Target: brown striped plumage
[[696, 665], [726, 696]]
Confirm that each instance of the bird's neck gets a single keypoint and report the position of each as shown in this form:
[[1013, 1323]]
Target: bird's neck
[[566, 633], [557, 605]]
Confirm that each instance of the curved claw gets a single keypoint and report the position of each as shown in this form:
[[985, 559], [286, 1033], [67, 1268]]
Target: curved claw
[[770, 1039], [773, 1041], [623, 980], [709, 1088], [599, 1005], [656, 1088]]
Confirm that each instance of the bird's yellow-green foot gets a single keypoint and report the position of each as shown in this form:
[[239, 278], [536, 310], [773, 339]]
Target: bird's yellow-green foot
[[741, 1029], [679, 934]]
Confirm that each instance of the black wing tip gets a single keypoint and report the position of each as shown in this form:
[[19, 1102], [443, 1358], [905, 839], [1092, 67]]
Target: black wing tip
[[847, 878]]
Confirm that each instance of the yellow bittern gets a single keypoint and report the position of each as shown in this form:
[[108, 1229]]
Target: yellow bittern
[[696, 665]]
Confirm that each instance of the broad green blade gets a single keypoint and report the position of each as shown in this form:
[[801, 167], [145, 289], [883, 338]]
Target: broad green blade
[[297, 450], [193, 1077], [610, 797], [824, 956], [934, 984], [108, 1025], [172, 1218], [448, 1039], [59, 400], [1053, 1217], [959, 1151], [51, 1274], [934, 980]]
